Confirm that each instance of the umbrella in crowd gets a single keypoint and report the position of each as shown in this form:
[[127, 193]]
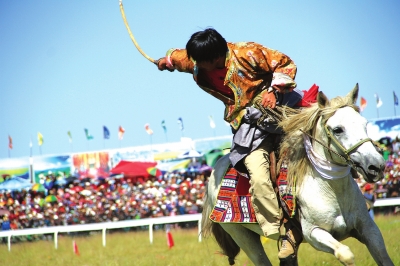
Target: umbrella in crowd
[[60, 181], [154, 171], [4, 212], [51, 198], [38, 188]]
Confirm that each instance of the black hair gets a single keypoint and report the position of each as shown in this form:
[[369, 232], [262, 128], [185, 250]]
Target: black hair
[[206, 45]]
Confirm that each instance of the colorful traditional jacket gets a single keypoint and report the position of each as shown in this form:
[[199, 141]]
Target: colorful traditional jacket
[[251, 69]]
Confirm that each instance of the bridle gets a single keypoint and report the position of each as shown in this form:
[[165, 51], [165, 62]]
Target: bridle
[[345, 156]]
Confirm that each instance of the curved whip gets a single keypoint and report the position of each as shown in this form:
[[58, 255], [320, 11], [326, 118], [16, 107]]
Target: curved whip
[[121, 7]]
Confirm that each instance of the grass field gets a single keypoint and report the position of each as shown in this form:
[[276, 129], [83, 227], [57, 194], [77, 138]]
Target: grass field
[[134, 248]]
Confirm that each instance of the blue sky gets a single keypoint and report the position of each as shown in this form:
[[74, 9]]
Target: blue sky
[[70, 65]]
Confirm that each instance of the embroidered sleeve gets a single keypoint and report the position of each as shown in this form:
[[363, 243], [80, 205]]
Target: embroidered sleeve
[[282, 67], [178, 58]]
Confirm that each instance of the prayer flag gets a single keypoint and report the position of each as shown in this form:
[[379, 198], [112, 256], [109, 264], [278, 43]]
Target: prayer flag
[[148, 129], [170, 240], [363, 104], [106, 132], [75, 248], [40, 138], [180, 123], [10, 144], [70, 136], [396, 100], [121, 132], [212, 123], [88, 136], [164, 126], [378, 101]]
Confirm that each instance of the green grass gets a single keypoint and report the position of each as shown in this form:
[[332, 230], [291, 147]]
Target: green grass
[[134, 248]]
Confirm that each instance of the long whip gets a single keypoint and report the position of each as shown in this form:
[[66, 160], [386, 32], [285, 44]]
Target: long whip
[[121, 7]]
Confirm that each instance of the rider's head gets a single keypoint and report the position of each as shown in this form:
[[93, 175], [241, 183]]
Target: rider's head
[[206, 46]]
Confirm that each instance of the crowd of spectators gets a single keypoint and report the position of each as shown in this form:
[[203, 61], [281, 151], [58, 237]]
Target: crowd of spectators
[[95, 200], [389, 186]]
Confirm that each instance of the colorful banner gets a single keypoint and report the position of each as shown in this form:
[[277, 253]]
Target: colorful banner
[[90, 165], [14, 167], [58, 166]]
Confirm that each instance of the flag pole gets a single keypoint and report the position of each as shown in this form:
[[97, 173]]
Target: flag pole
[[31, 162]]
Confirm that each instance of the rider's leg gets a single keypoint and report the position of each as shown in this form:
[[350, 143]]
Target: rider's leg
[[263, 196]]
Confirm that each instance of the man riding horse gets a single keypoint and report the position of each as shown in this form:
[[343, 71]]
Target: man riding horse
[[243, 75]]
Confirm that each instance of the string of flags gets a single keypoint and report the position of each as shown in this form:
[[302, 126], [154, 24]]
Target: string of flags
[[121, 130]]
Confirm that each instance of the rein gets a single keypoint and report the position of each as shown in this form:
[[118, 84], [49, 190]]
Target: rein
[[278, 116]]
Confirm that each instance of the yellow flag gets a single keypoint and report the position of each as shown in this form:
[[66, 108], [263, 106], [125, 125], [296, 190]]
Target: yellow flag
[[40, 138]]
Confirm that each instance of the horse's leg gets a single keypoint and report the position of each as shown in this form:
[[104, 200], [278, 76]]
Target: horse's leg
[[371, 236], [324, 241], [249, 242]]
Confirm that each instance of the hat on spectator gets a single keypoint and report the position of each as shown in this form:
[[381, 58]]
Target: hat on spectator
[[368, 187]]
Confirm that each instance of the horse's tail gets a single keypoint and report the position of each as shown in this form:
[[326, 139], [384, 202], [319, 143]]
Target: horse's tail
[[208, 227]]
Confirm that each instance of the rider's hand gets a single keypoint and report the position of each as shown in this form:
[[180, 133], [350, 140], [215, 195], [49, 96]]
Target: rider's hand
[[268, 99], [162, 64]]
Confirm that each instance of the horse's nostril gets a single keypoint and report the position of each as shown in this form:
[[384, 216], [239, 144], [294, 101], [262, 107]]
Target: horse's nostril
[[372, 169]]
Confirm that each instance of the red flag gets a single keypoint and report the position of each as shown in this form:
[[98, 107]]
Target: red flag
[[170, 240], [309, 97], [75, 247], [10, 142], [121, 132], [363, 104], [148, 129]]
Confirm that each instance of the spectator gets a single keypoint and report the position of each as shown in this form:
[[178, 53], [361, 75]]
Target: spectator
[[370, 199]]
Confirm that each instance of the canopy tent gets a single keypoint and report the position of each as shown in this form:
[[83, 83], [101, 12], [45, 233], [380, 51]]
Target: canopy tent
[[190, 154], [15, 183], [138, 170]]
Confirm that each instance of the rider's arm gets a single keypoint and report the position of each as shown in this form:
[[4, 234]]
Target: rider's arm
[[176, 59], [282, 67]]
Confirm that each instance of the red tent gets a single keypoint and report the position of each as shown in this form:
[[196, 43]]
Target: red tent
[[133, 169]]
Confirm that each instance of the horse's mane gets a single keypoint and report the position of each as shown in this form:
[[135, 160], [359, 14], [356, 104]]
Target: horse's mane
[[294, 124]]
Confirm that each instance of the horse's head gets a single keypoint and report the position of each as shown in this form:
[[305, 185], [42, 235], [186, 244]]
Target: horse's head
[[346, 136]]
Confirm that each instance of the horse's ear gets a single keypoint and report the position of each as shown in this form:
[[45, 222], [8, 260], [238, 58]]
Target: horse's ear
[[322, 100], [353, 95]]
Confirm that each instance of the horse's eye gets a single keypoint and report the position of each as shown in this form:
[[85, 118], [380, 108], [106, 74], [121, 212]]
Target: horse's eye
[[337, 130]]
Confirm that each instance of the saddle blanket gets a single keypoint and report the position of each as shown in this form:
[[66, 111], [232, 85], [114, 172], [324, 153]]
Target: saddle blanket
[[234, 200]]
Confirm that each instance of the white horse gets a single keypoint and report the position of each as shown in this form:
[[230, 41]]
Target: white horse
[[331, 206]]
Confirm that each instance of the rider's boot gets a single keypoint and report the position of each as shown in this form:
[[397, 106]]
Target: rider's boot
[[288, 252]]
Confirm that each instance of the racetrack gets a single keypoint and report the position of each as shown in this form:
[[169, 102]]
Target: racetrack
[[134, 248]]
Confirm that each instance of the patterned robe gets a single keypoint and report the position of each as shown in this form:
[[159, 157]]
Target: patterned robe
[[251, 69]]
